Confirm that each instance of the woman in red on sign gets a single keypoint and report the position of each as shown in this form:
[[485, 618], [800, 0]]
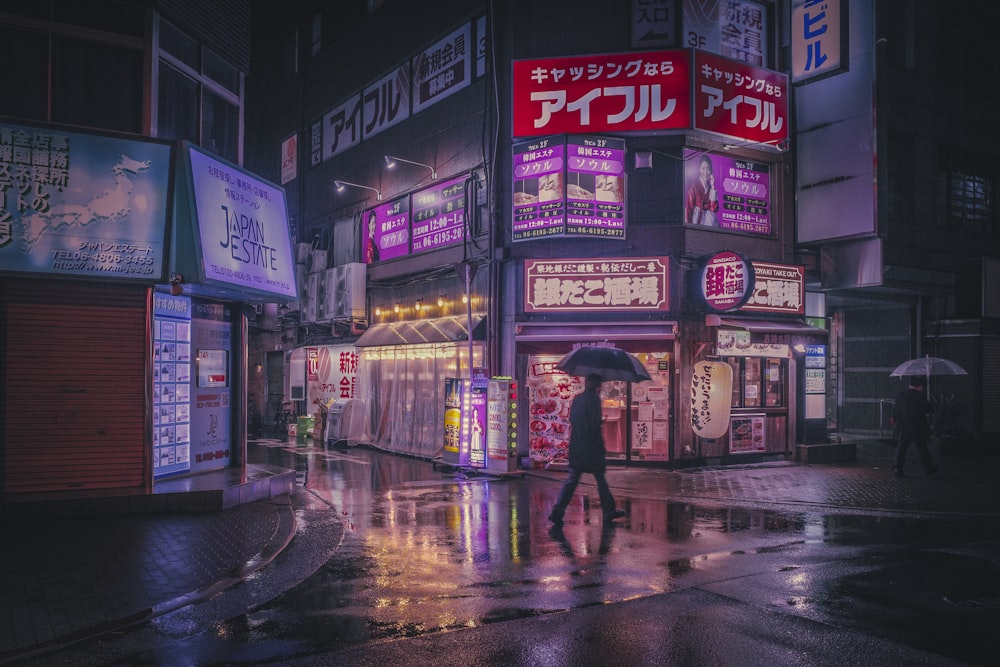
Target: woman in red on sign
[[702, 202]]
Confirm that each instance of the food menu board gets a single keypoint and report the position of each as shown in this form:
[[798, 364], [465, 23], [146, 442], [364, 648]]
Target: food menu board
[[171, 384], [550, 393], [746, 434]]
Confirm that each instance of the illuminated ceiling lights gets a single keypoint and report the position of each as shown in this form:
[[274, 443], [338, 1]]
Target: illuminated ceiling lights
[[340, 185], [391, 160]]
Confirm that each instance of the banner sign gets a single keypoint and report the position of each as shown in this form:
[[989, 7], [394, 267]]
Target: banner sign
[[778, 288], [739, 100], [616, 92], [568, 186], [242, 225], [76, 204], [387, 231], [725, 281], [726, 193], [597, 285], [439, 215]]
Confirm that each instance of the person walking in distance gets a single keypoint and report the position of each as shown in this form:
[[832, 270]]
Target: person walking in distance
[[586, 452], [909, 416]]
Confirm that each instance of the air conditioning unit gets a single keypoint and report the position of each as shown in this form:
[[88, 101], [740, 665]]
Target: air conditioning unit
[[316, 262], [347, 285], [309, 300], [325, 306]]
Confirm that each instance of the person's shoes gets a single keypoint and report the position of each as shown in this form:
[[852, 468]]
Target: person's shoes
[[899, 473], [617, 514], [556, 519]]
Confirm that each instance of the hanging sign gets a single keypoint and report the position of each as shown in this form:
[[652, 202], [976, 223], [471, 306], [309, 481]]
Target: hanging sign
[[711, 398], [724, 282]]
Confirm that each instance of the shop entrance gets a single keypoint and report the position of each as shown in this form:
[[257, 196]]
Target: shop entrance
[[638, 416]]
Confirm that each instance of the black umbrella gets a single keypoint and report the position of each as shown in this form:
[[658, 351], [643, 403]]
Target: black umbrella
[[611, 363]]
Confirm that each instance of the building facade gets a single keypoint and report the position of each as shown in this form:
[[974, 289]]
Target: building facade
[[548, 190]]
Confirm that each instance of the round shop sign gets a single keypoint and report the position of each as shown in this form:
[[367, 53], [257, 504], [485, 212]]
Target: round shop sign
[[726, 281]]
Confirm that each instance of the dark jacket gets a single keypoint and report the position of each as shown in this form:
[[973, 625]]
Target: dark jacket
[[910, 415], [586, 442]]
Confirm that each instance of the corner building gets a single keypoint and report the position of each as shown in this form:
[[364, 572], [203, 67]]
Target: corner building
[[582, 172]]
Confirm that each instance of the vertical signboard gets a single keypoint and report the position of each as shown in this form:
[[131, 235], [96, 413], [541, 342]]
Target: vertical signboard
[[595, 186], [539, 204], [819, 38], [454, 389], [387, 231], [171, 384], [439, 215], [501, 425]]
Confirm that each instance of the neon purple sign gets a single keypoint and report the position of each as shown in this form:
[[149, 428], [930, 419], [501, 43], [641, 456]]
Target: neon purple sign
[[595, 186], [439, 215], [387, 231], [727, 193], [539, 202]]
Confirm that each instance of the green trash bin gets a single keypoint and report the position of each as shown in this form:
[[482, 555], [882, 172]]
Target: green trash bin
[[305, 426]]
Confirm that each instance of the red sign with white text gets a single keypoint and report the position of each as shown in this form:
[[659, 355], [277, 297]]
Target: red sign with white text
[[739, 100], [618, 92]]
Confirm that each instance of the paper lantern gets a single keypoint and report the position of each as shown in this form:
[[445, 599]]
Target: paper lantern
[[711, 398]]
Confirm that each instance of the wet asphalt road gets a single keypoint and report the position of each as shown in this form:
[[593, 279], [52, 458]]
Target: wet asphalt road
[[434, 567]]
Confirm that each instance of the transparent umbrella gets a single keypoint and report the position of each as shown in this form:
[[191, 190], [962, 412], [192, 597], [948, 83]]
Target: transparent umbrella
[[927, 366]]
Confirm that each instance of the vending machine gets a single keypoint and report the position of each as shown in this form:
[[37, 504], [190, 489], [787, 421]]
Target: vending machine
[[501, 425]]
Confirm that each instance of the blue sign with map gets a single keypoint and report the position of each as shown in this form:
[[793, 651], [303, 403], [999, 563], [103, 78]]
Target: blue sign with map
[[73, 203]]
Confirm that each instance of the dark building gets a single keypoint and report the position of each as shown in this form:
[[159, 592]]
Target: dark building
[[122, 326]]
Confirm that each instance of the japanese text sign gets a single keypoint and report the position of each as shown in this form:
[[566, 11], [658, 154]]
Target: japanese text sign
[[618, 92], [597, 285], [818, 38], [387, 231], [386, 102], [539, 203], [726, 281], [778, 288], [576, 188], [739, 100], [81, 204], [342, 128], [439, 215], [443, 69], [711, 398], [243, 227], [731, 194]]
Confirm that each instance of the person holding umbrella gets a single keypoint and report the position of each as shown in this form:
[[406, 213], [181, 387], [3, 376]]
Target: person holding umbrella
[[909, 416], [586, 452]]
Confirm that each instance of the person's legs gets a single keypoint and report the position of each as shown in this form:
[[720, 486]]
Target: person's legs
[[925, 457], [608, 508], [565, 494], [901, 447]]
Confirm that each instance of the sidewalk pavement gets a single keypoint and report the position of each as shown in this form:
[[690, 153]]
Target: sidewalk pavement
[[71, 578]]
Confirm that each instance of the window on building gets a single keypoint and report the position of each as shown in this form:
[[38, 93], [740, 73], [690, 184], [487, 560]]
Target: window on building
[[92, 80], [199, 95], [965, 200], [758, 382]]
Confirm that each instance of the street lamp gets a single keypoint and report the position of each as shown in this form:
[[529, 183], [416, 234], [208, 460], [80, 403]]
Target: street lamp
[[391, 160], [340, 185]]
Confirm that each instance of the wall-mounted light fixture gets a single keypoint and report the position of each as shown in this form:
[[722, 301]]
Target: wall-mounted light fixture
[[440, 300], [418, 305], [378, 311], [391, 160], [395, 308], [340, 185]]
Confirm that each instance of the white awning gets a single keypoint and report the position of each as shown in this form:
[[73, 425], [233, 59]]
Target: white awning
[[773, 326], [437, 330]]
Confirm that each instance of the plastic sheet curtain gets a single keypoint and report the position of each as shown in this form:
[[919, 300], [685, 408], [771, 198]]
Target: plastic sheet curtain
[[403, 386]]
